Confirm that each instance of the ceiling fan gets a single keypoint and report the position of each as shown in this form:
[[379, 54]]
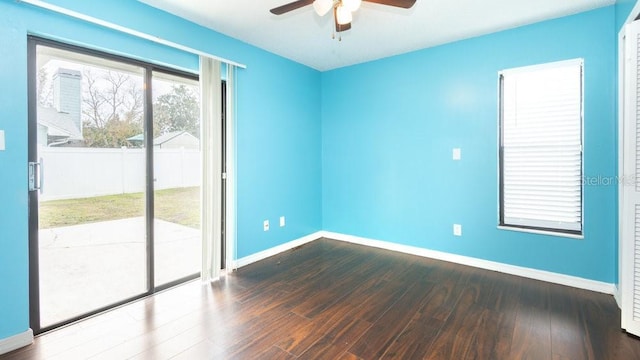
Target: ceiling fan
[[342, 9]]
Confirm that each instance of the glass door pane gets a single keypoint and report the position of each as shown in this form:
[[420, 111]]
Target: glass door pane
[[91, 210], [177, 178]]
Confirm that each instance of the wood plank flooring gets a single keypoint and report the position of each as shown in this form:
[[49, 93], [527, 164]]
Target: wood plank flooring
[[334, 300]]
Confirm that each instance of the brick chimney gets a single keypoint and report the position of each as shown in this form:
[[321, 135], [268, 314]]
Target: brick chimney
[[67, 94]]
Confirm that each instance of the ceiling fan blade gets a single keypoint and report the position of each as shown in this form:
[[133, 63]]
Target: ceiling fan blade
[[290, 7], [405, 4], [339, 28]]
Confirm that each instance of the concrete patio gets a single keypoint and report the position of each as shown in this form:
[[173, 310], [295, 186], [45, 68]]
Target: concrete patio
[[88, 266]]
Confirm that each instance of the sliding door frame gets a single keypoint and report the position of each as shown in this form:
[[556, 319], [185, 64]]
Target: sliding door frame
[[223, 186], [34, 281]]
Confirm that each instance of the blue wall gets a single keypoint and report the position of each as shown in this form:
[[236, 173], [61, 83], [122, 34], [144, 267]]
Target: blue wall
[[277, 125], [389, 127], [623, 9]]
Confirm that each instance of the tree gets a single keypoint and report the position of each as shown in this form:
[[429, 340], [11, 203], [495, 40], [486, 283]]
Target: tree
[[176, 111], [112, 106], [44, 88], [114, 134]]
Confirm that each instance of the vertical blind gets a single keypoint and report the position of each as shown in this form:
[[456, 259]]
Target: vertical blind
[[541, 147], [211, 115]]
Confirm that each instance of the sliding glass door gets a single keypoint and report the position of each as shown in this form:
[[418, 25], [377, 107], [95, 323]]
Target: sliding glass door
[[114, 178], [177, 177]]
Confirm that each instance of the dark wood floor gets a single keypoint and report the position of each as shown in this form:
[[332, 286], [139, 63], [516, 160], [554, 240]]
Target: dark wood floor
[[333, 300]]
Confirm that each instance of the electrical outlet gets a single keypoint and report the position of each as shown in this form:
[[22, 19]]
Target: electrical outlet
[[457, 154], [457, 230], [265, 225], [2, 146], [282, 221]]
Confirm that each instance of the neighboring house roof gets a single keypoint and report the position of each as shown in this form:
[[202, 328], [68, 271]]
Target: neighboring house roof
[[139, 137], [58, 123], [170, 136], [162, 138]]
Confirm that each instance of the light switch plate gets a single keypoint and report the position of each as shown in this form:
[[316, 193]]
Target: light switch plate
[[282, 221], [2, 146], [456, 154], [265, 225]]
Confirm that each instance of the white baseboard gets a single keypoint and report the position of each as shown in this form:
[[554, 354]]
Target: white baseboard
[[556, 278], [16, 341], [276, 250], [542, 275]]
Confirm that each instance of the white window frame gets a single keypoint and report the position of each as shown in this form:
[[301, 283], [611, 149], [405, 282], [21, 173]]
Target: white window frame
[[567, 229]]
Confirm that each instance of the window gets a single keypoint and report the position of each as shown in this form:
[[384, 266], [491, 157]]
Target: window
[[541, 147]]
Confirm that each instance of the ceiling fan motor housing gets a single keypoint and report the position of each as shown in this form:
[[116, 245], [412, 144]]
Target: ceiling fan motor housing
[[342, 9]]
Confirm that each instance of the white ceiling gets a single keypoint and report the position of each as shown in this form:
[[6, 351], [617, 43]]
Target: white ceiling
[[377, 31]]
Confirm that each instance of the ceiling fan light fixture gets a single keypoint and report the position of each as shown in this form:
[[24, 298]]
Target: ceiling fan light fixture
[[322, 7], [343, 15], [351, 5]]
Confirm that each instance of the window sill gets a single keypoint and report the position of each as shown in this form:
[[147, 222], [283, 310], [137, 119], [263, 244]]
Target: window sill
[[541, 232]]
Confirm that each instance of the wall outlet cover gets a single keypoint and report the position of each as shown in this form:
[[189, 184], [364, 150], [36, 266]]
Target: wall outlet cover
[[457, 154], [2, 145], [457, 229], [282, 222]]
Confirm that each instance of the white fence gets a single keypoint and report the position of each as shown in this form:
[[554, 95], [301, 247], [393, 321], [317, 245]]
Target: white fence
[[70, 173]]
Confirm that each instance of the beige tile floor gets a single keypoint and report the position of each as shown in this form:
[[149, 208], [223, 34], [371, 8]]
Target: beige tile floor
[[88, 266]]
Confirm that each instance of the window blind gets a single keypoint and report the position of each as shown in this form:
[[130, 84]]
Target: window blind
[[541, 147]]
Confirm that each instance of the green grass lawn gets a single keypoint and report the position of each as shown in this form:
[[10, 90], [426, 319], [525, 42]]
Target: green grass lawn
[[180, 206]]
